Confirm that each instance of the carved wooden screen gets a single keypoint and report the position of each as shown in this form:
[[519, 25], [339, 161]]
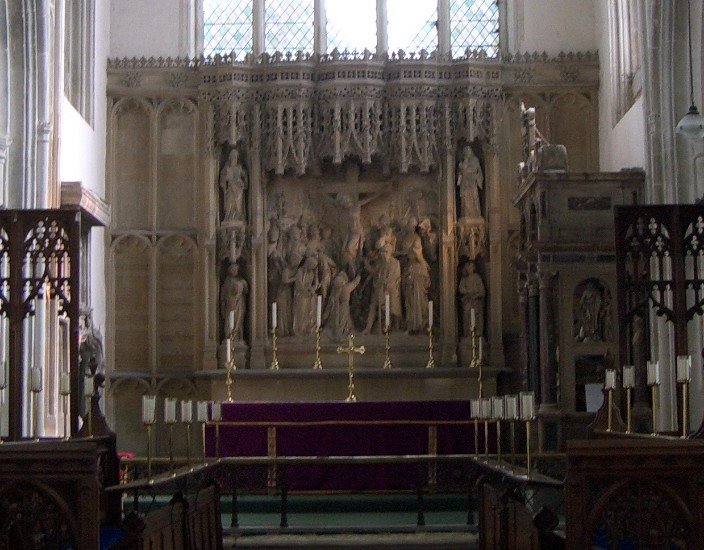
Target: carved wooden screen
[[660, 267], [39, 259]]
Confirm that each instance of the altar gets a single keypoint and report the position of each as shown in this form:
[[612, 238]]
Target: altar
[[345, 429]]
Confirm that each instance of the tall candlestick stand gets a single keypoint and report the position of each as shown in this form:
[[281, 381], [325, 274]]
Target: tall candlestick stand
[[217, 439], [498, 441], [513, 443], [387, 350], [528, 462], [3, 385], [188, 444], [628, 410], [685, 409], [350, 350], [431, 360], [274, 359], [656, 398], [230, 366], [477, 361], [148, 425], [476, 437], [202, 425], [35, 414], [486, 439], [610, 398], [90, 417], [318, 364], [170, 425]]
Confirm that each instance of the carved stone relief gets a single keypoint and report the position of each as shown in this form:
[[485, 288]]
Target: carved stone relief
[[592, 312]]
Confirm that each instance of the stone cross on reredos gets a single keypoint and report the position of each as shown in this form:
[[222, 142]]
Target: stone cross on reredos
[[351, 195]]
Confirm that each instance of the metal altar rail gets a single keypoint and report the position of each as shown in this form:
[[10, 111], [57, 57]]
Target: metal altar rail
[[469, 470]]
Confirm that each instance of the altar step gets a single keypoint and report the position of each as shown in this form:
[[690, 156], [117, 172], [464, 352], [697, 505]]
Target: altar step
[[346, 541]]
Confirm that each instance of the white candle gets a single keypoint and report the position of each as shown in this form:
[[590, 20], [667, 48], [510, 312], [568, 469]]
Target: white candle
[[216, 411], [148, 408], [231, 324], [527, 405], [511, 407], [228, 350], [35, 379], [202, 411], [318, 311], [472, 318], [497, 408], [430, 313], [65, 384], [169, 410], [88, 387], [474, 408], [485, 408], [684, 368], [629, 376], [386, 311], [653, 373], [273, 316], [610, 379], [186, 411]]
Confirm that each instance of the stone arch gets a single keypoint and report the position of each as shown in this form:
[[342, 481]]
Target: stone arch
[[131, 191], [175, 287]]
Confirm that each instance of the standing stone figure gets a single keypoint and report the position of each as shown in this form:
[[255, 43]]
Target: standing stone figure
[[470, 180], [416, 284], [472, 293], [305, 292], [386, 279], [233, 297], [337, 313], [233, 182]]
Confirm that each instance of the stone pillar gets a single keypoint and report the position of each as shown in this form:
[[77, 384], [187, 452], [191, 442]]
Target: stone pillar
[[320, 35], [548, 364], [258, 314], [258, 45], [382, 35], [495, 232], [523, 334], [444, 27], [448, 248], [5, 143]]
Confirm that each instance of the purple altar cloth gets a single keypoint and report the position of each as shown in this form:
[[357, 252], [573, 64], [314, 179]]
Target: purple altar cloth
[[346, 429]]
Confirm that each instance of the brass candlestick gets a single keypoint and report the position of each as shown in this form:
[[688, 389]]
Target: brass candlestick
[[230, 366], [202, 424], [318, 364], [513, 443], [685, 409], [90, 417], [476, 437], [431, 360], [656, 397], [477, 361], [528, 462], [350, 350], [610, 396], [188, 444], [3, 385], [35, 415], [486, 439], [149, 449], [628, 410], [387, 356], [170, 425], [498, 440], [217, 439], [274, 359]]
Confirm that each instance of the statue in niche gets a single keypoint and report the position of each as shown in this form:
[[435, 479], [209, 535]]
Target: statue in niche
[[233, 298], [337, 314], [90, 354], [592, 312], [472, 294], [294, 253], [472, 240], [233, 182], [305, 292], [416, 284], [386, 279], [470, 180], [429, 238]]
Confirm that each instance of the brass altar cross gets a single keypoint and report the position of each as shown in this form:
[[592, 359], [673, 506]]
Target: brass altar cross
[[350, 350]]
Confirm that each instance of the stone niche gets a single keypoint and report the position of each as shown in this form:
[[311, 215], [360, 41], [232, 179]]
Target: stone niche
[[352, 235]]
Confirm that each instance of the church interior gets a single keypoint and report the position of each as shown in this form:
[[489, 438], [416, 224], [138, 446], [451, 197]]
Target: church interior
[[306, 274]]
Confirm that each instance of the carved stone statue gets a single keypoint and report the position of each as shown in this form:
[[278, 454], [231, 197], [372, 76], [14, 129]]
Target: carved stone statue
[[592, 312], [472, 294], [305, 291], [416, 284], [429, 238], [90, 353], [470, 180], [386, 279], [337, 313], [233, 182], [233, 298]]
